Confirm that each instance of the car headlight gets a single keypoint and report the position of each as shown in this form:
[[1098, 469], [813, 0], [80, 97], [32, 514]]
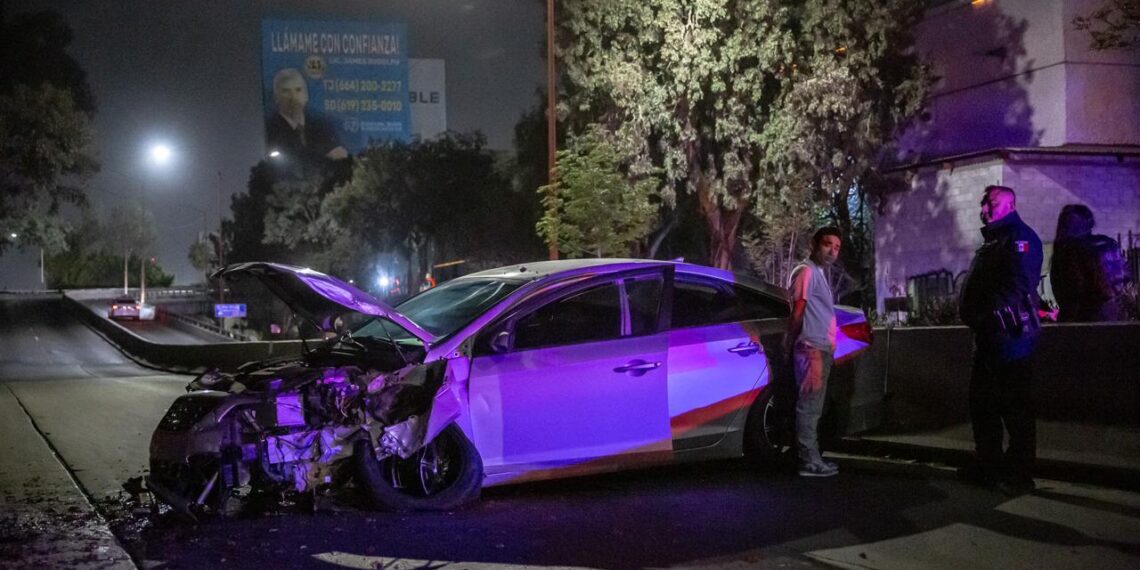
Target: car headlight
[[188, 409]]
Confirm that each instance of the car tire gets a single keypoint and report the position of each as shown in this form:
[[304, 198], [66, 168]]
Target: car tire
[[768, 431], [444, 475]]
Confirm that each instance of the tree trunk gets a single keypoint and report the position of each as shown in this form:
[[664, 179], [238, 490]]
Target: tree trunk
[[723, 222]]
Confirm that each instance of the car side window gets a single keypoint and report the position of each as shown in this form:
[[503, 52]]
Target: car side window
[[699, 302], [586, 316]]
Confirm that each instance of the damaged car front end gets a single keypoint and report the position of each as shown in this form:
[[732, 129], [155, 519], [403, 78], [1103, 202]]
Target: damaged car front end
[[359, 407]]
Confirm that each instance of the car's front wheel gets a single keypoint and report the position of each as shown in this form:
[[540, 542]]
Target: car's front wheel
[[444, 475]]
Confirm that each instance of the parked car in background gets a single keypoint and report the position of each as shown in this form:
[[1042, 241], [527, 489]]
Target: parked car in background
[[532, 371]]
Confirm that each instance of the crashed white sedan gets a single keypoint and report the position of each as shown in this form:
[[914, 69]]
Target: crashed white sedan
[[542, 370]]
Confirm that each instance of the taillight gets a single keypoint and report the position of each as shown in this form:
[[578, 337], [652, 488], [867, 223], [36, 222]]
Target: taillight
[[860, 331]]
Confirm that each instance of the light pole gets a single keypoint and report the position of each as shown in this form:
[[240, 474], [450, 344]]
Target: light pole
[[221, 243], [160, 154], [551, 123]]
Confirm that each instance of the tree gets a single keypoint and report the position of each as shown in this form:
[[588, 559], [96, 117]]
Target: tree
[[1113, 26], [94, 256], [245, 233], [720, 94], [33, 51], [201, 256], [430, 201], [43, 162], [593, 208]]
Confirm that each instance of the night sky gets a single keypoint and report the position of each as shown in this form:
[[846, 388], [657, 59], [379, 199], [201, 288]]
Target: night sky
[[189, 74]]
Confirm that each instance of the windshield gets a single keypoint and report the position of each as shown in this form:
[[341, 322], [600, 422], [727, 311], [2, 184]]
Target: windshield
[[445, 309]]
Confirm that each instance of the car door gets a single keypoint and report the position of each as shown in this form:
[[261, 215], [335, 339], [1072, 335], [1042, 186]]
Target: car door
[[716, 363], [583, 380]]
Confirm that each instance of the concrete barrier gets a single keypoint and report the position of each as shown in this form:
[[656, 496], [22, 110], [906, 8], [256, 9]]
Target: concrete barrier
[[181, 358], [911, 379], [1087, 373]]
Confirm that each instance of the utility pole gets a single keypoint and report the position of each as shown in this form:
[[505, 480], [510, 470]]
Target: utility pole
[[551, 122]]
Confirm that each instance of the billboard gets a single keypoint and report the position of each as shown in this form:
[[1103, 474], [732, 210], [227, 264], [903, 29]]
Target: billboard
[[427, 94], [331, 87]]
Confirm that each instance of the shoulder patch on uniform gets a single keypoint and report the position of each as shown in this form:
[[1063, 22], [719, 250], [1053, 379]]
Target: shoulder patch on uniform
[[1021, 246]]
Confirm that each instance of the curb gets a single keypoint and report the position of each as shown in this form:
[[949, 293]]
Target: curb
[[1069, 471]]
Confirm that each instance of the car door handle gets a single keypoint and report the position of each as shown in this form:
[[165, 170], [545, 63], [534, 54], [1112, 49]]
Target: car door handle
[[637, 367], [745, 349]]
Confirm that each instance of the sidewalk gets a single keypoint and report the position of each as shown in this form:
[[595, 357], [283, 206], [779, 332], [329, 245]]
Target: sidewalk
[[1085, 453], [45, 520]]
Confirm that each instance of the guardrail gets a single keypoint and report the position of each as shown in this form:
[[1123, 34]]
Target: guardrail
[[182, 358], [204, 325]]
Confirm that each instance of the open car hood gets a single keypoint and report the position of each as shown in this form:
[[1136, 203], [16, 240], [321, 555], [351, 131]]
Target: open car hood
[[318, 297]]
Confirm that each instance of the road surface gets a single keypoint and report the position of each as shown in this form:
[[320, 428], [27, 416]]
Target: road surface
[[64, 388]]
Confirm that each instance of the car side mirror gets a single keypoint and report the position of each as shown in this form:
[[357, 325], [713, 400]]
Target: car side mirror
[[501, 342]]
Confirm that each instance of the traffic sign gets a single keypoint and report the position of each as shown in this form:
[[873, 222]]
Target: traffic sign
[[229, 310]]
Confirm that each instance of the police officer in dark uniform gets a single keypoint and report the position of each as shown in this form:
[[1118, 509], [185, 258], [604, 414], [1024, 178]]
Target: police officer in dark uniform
[[999, 303]]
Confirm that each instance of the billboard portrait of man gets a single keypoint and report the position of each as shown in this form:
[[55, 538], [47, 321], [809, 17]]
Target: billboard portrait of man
[[295, 132]]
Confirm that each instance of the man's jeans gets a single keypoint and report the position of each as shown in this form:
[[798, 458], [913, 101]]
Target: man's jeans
[[810, 362]]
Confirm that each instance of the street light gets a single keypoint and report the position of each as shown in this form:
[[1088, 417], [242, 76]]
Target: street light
[[160, 153]]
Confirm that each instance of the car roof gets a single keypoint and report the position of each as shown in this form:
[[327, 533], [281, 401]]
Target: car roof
[[526, 272], [123, 299], [538, 269]]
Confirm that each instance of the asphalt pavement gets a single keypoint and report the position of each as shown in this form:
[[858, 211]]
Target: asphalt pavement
[[75, 416]]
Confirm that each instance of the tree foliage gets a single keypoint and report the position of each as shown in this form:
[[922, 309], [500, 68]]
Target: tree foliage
[[748, 104], [43, 161], [45, 107], [94, 259], [33, 51], [1115, 25], [425, 201], [594, 208], [435, 200]]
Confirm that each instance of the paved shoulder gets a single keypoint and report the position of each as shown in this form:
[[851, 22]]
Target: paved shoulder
[[45, 520]]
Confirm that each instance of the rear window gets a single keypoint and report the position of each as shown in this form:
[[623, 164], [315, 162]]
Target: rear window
[[699, 302]]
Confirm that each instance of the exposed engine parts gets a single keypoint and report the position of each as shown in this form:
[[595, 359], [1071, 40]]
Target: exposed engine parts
[[289, 426]]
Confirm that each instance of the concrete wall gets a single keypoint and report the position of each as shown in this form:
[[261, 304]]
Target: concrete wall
[[935, 225], [1082, 373], [1102, 89], [1014, 73], [932, 227], [1110, 187], [1001, 70], [182, 358]]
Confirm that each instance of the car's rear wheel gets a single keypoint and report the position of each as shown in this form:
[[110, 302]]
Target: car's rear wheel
[[768, 431], [444, 475]]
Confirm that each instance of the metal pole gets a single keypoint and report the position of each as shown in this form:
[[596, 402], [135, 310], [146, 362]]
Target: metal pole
[[42, 282], [221, 243], [551, 123], [142, 249], [142, 279]]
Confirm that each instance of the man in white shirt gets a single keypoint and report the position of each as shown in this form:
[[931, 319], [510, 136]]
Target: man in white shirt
[[811, 342]]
